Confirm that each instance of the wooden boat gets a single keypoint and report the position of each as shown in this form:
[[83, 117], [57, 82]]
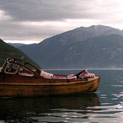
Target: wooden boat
[[20, 78]]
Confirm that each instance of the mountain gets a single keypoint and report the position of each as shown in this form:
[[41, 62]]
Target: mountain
[[94, 46], [7, 50], [16, 44], [102, 51]]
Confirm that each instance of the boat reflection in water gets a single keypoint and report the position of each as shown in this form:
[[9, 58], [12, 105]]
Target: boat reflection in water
[[33, 109]]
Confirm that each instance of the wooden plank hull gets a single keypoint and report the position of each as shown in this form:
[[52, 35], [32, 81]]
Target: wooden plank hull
[[47, 88]]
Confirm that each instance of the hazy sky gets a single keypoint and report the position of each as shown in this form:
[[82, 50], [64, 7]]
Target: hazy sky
[[35, 20]]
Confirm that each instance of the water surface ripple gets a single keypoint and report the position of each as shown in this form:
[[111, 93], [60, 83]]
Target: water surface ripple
[[104, 106]]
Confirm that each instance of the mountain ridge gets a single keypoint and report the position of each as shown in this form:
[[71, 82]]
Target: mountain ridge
[[49, 53]]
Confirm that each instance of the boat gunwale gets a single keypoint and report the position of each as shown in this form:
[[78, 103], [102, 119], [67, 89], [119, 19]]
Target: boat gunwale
[[50, 83]]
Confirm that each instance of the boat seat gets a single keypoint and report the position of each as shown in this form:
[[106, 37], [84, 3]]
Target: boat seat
[[70, 76], [53, 76], [46, 74], [86, 74]]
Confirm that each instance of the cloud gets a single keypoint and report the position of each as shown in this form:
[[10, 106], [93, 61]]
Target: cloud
[[3, 16], [39, 19], [41, 10]]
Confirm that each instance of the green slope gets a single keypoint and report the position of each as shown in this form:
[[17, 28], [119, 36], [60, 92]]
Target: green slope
[[7, 50]]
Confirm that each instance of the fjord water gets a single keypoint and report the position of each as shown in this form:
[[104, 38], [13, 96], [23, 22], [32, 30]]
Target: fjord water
[[104, 106]]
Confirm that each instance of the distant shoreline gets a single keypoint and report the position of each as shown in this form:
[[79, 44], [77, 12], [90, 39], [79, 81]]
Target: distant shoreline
[[84, 68]]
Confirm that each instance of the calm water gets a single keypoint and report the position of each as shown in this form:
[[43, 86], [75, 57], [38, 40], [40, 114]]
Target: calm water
[[104, 106]]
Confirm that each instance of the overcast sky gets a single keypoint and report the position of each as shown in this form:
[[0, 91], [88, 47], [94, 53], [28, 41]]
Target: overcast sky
[[35, 20]]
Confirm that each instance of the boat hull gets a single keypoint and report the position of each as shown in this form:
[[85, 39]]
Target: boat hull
[[29, 89]]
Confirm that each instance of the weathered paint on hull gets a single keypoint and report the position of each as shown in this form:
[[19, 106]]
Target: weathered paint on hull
[[45, 89]]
